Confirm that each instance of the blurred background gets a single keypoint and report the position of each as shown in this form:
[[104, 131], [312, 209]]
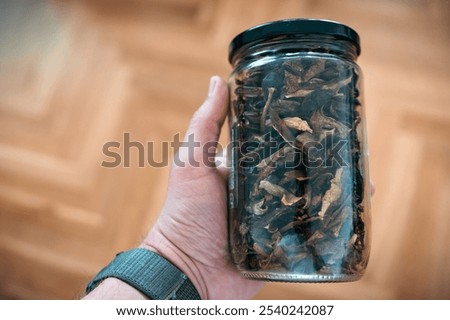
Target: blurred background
[[77, 74]]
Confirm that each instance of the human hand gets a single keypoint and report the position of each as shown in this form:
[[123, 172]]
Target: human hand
[[191, 231]]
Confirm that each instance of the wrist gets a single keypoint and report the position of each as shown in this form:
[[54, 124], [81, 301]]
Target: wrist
[[158, 243]]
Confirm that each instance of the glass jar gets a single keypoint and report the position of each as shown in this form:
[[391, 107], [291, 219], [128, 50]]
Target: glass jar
[[299, 186]]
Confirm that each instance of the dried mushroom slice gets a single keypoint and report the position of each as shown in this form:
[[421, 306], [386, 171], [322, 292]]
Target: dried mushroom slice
[[333, 193], [297, 123]]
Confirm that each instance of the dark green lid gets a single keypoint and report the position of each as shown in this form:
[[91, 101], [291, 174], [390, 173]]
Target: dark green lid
[[293, 27]]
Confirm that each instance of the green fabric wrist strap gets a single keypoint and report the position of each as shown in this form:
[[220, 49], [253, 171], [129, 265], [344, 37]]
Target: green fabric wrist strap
[[149, 273]]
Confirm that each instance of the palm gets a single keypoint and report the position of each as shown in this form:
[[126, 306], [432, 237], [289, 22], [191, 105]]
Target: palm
[[194, 218]]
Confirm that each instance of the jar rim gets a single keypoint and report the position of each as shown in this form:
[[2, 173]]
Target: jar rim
[[293, 27]]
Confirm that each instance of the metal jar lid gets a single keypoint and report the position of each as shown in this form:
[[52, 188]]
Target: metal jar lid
[[293, 27]]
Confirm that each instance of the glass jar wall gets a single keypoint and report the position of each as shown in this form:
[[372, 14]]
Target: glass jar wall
[[298, 190]]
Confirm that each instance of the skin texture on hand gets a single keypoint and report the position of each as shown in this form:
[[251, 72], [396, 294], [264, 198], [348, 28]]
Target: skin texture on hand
[[192, 229]]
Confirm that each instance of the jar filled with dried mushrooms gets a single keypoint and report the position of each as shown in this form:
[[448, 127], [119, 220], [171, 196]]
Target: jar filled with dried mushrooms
[[299, 207]]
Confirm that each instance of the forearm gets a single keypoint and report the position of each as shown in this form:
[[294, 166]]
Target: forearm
[[115, 289]]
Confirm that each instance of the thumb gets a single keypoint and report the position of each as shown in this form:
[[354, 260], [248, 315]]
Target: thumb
[[200, 141], [208, 119]]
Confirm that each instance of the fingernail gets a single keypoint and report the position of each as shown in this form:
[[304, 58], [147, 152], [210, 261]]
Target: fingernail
[[212, 85]]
